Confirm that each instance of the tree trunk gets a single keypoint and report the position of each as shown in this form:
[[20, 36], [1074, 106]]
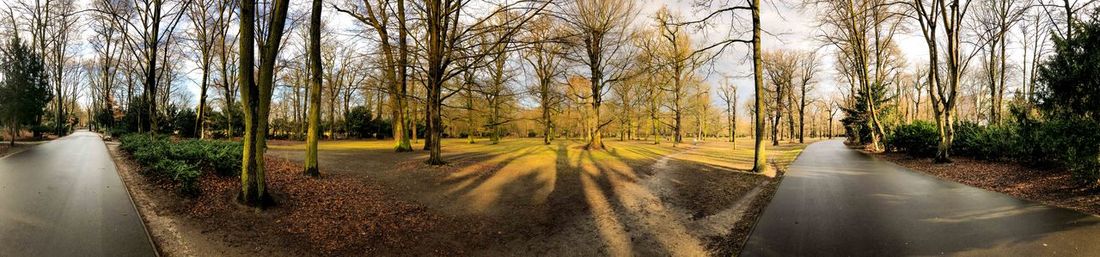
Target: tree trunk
[[759, 155], [314, 91], [402, 139], [546, 123], [802, 117], [200, 126], [256, 97], [676, 124], [596, 140]]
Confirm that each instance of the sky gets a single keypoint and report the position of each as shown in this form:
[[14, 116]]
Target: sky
[[786, 25]]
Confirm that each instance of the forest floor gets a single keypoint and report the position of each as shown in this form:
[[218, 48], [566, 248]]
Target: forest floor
[[1054, 187], [516, 198]]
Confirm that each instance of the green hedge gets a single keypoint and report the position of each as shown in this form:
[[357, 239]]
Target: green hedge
[[1070, 143], [994, 142], [1073, 143], [183, 161], [918, 139]]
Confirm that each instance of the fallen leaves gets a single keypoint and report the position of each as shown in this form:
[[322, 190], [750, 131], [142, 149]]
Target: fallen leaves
[[332, 215]]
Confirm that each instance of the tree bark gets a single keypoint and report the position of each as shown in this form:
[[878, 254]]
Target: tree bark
[[315, 81], [256, 97], [759, 156]]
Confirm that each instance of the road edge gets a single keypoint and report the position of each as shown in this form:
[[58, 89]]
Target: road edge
[[144, 226], [780, 175], [923, 173]]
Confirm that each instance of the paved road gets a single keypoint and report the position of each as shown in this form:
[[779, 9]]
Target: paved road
[[64, 198], [839, 202]]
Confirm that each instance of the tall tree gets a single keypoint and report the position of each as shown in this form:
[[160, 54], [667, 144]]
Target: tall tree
[[148, 25], [721, 9], [110, 54], [728, 93], [780, 67], [863, 33], [25, 90], [680, 60], [994, 21], [807, 70], [395, 59], [227, 70], [1035, 44], [603, 29], [449, 42], [205, 16], [543, 55], [314, 90], [256, 94], [948, 15]]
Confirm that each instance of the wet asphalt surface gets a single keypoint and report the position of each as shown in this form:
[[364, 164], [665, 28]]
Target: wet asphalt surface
[[64, 198], [839, 202]]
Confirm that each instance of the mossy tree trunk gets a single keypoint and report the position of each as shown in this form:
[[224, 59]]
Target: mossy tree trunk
[[256, 96], [314, 91]]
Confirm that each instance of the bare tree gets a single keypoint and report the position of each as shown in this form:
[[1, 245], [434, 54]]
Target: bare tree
[[994, 21], [395, 60], [1062, 14], [780, 67], [1035, 41], [148, 24], [862, 31], [945, 87], [109, 51], [603, 29], [446, 36], [716, 10], [543, 55], [53, 25], [679, 59], [807, 70], [206, 21], [728, 93]]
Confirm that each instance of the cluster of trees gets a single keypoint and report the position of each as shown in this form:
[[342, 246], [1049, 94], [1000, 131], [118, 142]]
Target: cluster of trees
[[1002, 79], [50, 28], [791, 80], [24, 89], [407, 69]]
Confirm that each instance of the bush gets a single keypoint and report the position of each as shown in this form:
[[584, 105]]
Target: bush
[[183, 122], [993, 142], [1072, 143], [183, 161], [919, 139], [39, 130]]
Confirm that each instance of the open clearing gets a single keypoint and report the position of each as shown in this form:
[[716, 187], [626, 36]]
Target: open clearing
[[521, 197]]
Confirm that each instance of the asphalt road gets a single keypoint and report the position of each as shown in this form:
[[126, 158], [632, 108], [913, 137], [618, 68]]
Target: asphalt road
[[64, 198], [838, 202]]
